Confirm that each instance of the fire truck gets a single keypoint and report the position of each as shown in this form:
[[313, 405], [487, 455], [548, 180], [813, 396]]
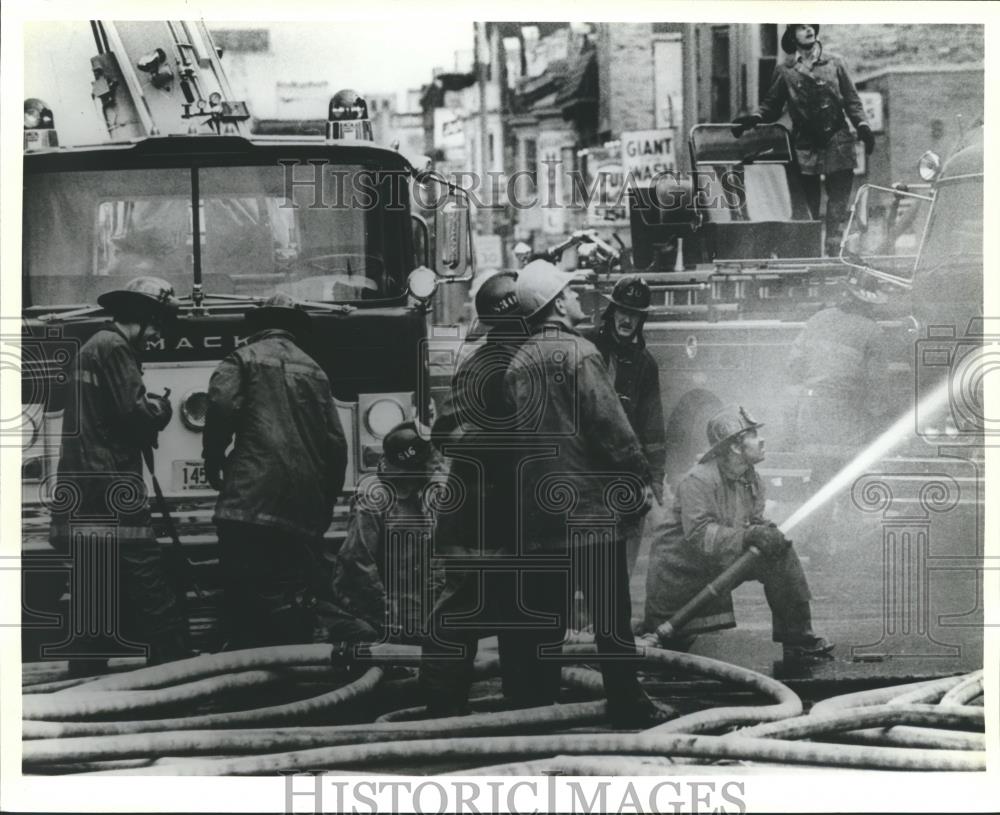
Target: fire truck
[[138, 160], [736, 267]]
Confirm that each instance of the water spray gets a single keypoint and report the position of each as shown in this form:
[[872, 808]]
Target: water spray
[[898, 431]]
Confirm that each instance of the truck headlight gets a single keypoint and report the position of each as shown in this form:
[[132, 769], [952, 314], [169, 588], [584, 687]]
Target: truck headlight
[[194, 407], [383, 415], [929, 165]]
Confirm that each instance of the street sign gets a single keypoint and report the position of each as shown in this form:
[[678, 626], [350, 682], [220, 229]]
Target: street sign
[[605, 185], [489, 252], [647, 154], [872, 103]]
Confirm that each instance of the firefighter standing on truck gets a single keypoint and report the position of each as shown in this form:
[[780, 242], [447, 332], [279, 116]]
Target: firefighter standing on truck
[[637, 381], [718, 512], [474, 431], [278, 486], [383, 584], [558, 387], [818, 92], [102, 464]]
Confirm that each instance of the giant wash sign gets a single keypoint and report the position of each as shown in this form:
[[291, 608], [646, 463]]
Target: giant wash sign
[[647, 154]]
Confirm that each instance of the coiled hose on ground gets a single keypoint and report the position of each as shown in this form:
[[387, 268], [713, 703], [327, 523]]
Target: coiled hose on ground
[[182, 743]]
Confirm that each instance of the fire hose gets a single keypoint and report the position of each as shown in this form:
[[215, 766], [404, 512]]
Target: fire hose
[[810, 726], [185, 670], [52, 751], [315, 706], [916, 692], [464, 749], [965, 691], [719, 587], [81, 705]]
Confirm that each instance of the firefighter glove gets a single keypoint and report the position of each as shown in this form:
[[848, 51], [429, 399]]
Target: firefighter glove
[[769, 539], [741, 124], [160, 410], [866, 135], [213, 472]]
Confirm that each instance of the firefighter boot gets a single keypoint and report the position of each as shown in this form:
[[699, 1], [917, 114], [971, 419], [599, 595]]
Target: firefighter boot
[[807, 651]]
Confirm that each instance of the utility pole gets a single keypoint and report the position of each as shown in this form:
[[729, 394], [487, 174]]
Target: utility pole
[[482, 55]]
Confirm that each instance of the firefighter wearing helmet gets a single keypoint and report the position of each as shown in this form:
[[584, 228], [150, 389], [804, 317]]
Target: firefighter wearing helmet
[[820, 97], [474, 430], [383, 584], [100, 464], [279, 481], [636, 375], [566, 406], [718, 512]]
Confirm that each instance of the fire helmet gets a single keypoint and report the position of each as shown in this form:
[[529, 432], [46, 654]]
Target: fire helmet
[[406, 447], [538, 284], [280, 311], [727, 426], [141, 298], [496, 302], [632, 293]]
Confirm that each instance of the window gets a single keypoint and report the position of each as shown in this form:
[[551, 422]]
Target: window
[[720, 74], [531, 159], [88, 232]]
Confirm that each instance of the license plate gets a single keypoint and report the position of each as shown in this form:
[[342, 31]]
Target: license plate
[[190, 475]]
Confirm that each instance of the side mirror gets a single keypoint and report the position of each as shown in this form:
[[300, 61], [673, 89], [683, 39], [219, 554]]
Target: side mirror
[[452, 235], [421, 241]]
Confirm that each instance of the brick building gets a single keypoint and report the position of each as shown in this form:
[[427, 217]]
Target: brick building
[[568, 100], [922, 108]]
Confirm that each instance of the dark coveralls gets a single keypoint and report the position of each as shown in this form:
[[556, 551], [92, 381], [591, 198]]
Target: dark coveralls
[[818, 96], [475, 431], [280, 483], [100, 485], [384, 584], [637, 382], [586, 468], [704, 535]]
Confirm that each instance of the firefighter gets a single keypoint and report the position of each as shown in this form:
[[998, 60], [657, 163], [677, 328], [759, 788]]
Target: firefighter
[[718, 512], [278, 485], [384, 585], [101, 464], [474, 430], [558, 387], [637, 381], [839, 363], [818, 92]]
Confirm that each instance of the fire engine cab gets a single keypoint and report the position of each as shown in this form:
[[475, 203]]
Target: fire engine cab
[[145, 164]]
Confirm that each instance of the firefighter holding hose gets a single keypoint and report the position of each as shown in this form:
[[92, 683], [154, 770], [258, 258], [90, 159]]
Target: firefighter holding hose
[[102, 464], [718, 513]]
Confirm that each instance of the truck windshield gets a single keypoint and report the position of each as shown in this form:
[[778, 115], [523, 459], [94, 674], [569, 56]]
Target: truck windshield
[[88, 232], [955, 231]]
